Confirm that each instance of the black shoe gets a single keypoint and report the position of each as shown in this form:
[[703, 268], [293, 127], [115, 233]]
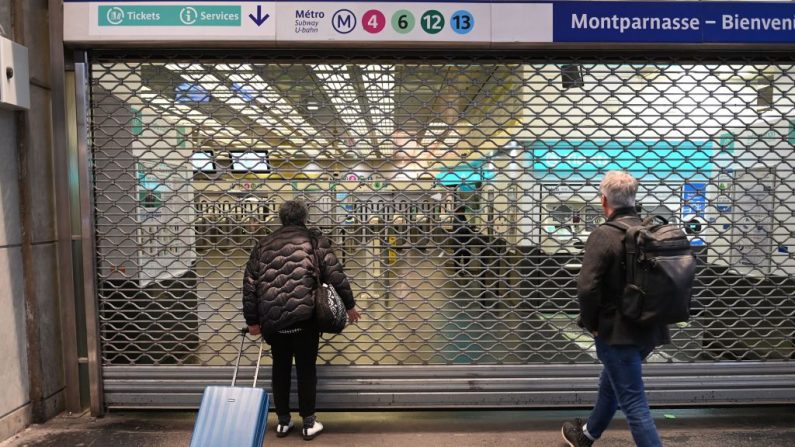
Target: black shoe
[[573, 435], [309, 433], [283, 430]]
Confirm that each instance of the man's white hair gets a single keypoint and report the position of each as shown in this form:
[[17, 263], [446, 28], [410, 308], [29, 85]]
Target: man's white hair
[[620, 189]]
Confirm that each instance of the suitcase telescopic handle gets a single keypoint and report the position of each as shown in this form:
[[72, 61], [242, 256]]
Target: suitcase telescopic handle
[[244, 332]]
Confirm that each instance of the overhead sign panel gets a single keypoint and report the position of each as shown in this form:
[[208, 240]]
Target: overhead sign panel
[[466, 23]]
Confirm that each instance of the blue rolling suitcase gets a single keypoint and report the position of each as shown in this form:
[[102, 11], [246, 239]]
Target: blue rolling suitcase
[[232, 416]]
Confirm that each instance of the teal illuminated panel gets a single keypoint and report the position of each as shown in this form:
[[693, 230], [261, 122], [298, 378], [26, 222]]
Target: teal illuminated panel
[[586, 159], [169, 15], [465, 173]]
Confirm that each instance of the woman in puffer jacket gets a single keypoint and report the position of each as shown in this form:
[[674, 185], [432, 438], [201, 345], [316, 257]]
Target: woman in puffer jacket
[[278, 303]]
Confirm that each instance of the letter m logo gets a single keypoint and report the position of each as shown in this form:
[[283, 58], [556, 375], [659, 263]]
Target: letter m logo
[[344, 21]]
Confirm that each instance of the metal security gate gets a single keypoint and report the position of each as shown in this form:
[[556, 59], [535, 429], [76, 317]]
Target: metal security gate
[[459, 191]]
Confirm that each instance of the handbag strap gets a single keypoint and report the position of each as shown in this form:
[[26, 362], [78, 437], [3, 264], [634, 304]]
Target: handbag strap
[[318, 265]]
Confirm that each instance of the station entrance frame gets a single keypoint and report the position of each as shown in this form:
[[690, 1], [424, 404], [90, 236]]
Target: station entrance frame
[[458, 188]]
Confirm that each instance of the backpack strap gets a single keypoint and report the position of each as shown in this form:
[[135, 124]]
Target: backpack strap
[[630, 246], [623, 226]]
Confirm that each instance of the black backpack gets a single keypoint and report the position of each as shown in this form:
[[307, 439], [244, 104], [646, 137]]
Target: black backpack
[[660, 269]]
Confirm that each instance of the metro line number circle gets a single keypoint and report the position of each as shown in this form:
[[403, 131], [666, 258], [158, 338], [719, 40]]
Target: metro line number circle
[[343, 21], [403, 21], [462, 22], [432, 22], [373, 21]]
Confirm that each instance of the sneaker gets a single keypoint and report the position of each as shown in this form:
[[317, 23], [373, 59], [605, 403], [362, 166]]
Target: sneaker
[[573, 435], [309, 433], [283, 430]]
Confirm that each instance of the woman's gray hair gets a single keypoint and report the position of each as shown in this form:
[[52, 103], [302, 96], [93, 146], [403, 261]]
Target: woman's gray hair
[[620, 189], [293, 212]]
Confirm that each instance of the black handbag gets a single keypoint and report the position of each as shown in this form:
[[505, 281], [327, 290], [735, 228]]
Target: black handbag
[[330, 312]]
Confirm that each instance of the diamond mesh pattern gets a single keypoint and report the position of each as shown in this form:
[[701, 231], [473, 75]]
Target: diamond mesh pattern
[[458, 192]]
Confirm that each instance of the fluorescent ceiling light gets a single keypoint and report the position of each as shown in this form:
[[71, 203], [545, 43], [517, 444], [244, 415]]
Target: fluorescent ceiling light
[[222, 93], [379, 89], [312, 104], [244, 93], [337, 84]]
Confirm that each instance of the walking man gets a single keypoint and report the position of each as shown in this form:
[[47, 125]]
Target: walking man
[[621, 346]]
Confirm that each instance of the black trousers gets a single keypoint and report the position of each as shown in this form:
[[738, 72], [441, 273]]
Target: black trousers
[[303, 347]]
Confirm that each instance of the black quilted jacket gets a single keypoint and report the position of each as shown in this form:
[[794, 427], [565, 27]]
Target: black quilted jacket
[[280, 279]]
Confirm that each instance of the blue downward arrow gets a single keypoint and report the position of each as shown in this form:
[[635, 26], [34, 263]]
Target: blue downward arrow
[[259, 19]]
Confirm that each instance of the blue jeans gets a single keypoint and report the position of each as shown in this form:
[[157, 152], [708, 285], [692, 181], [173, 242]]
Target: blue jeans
[[621, 384]]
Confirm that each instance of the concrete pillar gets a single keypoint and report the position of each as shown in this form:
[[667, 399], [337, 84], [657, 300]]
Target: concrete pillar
[[32, 371]]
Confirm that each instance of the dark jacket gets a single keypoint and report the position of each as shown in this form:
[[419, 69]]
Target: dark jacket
[[600, 284], [280, 280]]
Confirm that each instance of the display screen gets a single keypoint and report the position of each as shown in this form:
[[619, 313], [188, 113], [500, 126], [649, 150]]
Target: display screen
[[203, 161], [251, 161]]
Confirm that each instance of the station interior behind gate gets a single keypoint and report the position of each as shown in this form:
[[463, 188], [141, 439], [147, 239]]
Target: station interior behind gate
[[459, 192]]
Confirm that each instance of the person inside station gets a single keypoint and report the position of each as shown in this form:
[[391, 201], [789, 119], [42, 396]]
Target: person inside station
[[463, 234]]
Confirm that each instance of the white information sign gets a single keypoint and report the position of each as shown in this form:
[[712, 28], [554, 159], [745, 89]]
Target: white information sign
[[751, 237], [383, 22], [521, 22]]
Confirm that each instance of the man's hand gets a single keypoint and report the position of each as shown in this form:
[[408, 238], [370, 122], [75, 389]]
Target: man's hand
[[254, 329], [595, 334], [353, 315]]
